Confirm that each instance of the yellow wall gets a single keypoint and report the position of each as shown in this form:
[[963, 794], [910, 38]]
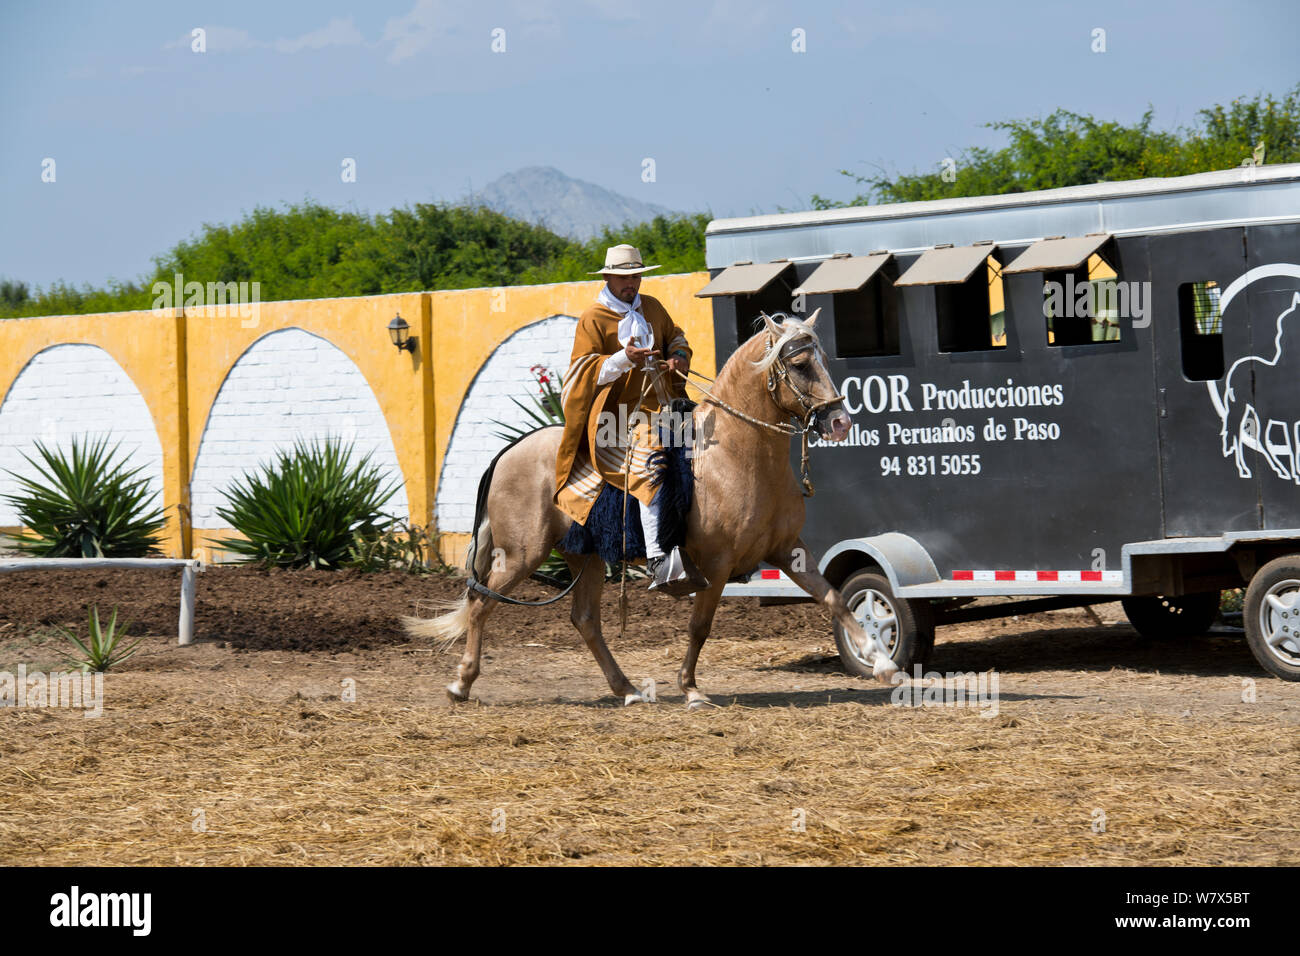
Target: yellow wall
[[179, 361], [357, 327]]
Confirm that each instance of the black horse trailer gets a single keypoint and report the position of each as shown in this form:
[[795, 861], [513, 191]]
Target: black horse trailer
[[1063, 397]]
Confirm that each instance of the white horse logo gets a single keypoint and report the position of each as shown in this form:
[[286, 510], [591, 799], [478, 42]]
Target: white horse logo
[[1276, 439]]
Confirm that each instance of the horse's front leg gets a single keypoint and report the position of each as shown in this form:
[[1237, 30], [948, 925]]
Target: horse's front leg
[[794, 565], [706, 603]]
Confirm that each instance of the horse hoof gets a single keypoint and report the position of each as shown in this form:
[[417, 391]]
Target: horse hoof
[[699, 703], [884, 671], [634, 698], [455, 695]]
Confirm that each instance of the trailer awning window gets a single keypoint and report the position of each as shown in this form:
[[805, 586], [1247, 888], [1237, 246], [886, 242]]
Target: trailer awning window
[[946, 265], [743, 279], [1057, 255], [845, 274]]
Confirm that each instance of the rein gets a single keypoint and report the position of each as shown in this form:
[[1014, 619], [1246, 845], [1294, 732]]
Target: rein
[[474, 584]]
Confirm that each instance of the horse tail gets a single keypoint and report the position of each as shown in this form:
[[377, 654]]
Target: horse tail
[[452, 622], [445, 629]]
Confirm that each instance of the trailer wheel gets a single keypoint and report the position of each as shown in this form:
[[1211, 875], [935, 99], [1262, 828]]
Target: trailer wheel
[[1272, 617], [904, 628], [1160, 618]]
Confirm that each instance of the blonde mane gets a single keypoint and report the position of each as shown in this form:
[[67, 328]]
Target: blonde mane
[[791, 328]]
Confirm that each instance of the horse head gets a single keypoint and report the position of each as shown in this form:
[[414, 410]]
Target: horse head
[[798, 375]]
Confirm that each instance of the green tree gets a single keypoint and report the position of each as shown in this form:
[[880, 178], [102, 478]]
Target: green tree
[[302, 252], [1071, 149], [13, 294], [307, 251], [438, 246]]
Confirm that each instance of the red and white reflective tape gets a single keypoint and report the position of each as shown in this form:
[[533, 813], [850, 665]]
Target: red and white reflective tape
[[1042, 577], [990, 577]]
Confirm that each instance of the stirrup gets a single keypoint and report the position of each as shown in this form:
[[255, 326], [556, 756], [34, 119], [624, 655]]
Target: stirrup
[[675, 574]]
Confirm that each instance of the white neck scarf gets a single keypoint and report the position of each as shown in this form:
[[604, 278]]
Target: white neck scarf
[[632, 323]]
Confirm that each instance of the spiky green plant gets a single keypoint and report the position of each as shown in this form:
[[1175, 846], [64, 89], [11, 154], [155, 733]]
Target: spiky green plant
[[304, 509], [545, 407], [400, 546], [85, 503], [100, 651]]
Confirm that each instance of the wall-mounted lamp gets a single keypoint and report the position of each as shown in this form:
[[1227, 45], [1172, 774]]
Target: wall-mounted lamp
[[401, 335]]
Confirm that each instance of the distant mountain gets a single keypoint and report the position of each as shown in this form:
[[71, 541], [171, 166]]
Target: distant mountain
[[567, 206]]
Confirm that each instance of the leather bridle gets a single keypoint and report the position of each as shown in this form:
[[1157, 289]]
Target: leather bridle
[[779, 370]]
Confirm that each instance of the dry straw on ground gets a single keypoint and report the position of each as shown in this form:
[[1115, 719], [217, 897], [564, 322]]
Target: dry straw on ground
[[1105, 750], [328, 782]]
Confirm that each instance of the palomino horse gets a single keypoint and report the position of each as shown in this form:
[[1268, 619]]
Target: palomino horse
[[747, 508]]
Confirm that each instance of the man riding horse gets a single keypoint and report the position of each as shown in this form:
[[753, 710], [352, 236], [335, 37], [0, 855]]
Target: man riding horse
[[614, 374], [746, 505]]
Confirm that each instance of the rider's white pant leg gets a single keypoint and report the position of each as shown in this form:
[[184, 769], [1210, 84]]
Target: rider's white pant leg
[[650, 527]]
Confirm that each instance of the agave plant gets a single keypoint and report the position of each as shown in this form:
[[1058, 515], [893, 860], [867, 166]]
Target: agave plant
[[85, 503], [545, 407], [307, 508], [100, 651]]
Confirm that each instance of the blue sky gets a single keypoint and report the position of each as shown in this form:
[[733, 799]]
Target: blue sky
[[151, 139]]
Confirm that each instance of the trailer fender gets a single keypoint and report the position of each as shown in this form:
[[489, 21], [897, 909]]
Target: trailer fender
[[899, 556]]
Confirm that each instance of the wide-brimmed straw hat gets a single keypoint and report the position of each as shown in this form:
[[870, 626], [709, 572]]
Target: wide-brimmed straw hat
[[622, 260]]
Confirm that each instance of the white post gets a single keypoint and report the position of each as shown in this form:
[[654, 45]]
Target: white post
[[186, 629], [186, 633]]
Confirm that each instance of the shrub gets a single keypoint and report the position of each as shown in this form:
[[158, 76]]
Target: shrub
[[400, 546], [85, 503], [306, 508]]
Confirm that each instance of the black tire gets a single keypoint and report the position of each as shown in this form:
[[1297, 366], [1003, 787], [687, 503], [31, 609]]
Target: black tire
[[1263, 619], [1165, 618], [909, 641]]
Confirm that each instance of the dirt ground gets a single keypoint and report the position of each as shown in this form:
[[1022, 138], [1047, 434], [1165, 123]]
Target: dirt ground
[[304, 728]]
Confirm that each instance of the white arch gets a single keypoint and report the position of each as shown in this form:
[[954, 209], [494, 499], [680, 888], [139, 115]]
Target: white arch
[[504, 375], [288, 385], [80, 391]]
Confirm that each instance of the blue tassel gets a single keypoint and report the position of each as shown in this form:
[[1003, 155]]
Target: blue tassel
[[676, 482], [603, 532]]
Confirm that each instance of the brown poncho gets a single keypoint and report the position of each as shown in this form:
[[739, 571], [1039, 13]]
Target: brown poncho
[[587, 458]]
